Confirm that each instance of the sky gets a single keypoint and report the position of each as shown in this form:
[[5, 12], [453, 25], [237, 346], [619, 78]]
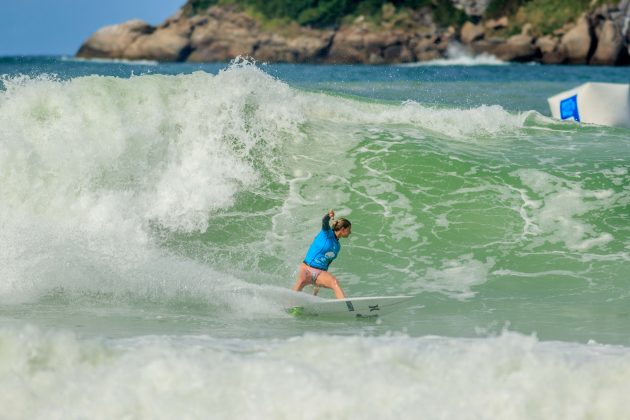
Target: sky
[[59, 27]]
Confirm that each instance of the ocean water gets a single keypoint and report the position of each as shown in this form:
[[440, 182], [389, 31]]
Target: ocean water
[[152, 218]]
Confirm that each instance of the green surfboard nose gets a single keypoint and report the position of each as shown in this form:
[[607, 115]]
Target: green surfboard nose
[[296, 310]]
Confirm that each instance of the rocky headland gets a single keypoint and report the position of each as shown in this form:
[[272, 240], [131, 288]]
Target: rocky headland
[[599, 36]]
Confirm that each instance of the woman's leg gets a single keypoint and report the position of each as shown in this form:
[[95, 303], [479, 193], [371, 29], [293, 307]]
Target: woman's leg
[[326, 279], [303, 279]]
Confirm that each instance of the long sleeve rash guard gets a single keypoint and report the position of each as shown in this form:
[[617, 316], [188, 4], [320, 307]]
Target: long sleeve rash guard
[[325, 247]]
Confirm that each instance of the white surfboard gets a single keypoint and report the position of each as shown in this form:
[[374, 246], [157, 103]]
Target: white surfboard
[[358, 307]]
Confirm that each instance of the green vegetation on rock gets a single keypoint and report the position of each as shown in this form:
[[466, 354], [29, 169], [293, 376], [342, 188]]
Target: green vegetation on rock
[[499, 8], [322, 13], [545, 16]]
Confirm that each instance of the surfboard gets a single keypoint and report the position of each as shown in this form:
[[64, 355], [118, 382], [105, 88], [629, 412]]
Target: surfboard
[[358, 307]]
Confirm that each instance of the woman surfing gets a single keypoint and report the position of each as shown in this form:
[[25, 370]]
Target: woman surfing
[[322, 252]]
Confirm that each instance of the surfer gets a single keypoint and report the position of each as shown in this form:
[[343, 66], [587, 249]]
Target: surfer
[[323, 250]]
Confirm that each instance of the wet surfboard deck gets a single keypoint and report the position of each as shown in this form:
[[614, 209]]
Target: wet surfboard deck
[[358, 307]]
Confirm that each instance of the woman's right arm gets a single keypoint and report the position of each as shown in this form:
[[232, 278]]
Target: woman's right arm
[[326, 219]]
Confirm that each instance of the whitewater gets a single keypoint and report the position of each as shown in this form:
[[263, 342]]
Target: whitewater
[[153, 216]]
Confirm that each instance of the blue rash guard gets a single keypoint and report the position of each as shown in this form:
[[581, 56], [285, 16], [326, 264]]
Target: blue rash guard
[[325, 247]]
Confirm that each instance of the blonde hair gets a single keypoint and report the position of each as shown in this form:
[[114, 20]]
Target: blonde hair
[[341, 223]]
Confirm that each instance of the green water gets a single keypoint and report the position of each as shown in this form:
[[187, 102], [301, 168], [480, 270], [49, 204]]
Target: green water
[[152, 219], [183, 202]]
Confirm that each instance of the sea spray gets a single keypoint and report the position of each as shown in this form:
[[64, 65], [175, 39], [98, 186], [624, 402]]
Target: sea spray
[[160, 149], [95, 169]]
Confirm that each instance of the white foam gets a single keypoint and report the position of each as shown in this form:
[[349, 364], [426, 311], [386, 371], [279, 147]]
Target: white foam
[[93, 169], [461, 124], [57, 375], [457, 277], [150, 149], [458, 55], [557, 213], [112, 60]]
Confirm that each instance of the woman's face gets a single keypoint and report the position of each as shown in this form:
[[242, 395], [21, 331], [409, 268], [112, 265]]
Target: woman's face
[[345, 232]]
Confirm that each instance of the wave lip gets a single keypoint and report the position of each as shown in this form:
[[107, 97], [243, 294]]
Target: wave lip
[[158, 149]]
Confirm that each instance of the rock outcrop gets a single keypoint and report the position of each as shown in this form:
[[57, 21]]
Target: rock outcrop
[[600, 37], [169, 42], [578, 42], [112, 41], [471, 33], [520, 47], [223, 32], [550, 51]]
